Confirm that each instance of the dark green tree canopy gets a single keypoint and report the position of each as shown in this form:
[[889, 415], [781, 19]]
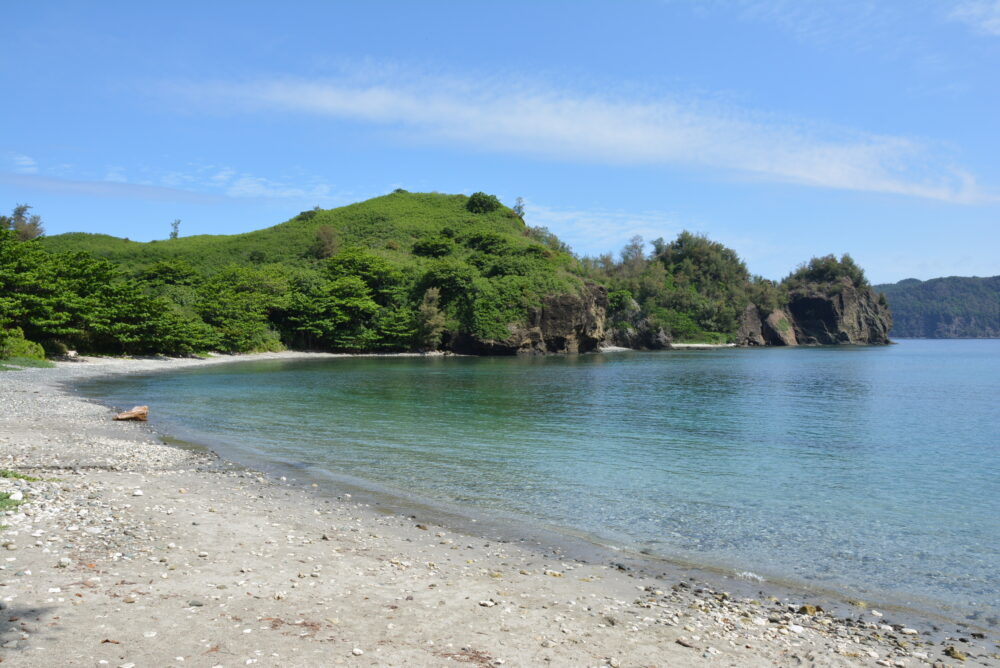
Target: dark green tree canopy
[[482, 203]]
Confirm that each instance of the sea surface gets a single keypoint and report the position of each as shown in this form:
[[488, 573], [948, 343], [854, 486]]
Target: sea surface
[[871, 471]]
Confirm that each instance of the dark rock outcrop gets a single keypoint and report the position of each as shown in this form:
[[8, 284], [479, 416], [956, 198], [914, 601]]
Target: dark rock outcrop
[[774, 329], [632, 329], [779, 330], [820, 314], [566, 323], [839, 313], [751, 332]]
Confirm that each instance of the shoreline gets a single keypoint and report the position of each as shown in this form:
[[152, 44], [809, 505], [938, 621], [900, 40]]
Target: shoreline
[[506, 601]]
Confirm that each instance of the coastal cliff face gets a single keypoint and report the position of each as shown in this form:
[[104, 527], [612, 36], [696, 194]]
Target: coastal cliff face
[[839, 313], [774, 329], [633, 329], [565, 323], [820, 314]]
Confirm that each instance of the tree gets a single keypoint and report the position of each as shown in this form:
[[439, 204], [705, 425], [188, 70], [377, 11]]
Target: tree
[[175, 228], [518, 207], [326, 243], [430, 320], [482, 203], [24, 226], [827, 270]]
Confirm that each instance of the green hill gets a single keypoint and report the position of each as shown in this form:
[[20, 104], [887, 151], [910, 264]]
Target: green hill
[[401, 272], [945, 308], [388, 225]]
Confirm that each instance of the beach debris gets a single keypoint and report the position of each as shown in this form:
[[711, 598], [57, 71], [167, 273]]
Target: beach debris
[[811, 610], [955, 653], [140, 413]]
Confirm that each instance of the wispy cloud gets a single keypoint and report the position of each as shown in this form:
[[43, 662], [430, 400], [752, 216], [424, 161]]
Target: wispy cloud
[[20, 163], [863, 24], [107, 189], [982, 15], [116, 175], [596, 231], [197, 183], [554, 124], [255, 186], [237, 184]]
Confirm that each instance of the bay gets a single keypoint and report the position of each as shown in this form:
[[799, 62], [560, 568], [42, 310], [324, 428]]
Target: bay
[[871, 471]]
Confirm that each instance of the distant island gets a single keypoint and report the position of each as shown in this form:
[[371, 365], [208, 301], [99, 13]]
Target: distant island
[[955, 307], [409, 272]]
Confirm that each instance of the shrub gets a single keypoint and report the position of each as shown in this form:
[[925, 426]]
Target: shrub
[[433, 246], [482, 203], [13, 344]]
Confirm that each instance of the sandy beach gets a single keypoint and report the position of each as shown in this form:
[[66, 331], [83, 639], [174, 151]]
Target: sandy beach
[[126, 551]]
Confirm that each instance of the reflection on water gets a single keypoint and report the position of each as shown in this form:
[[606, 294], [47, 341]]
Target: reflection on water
[[869, 469]]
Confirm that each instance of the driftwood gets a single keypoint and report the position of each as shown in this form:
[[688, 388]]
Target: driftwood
[[138, 413]]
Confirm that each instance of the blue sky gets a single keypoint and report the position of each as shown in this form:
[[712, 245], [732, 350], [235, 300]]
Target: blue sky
[[785, 129]]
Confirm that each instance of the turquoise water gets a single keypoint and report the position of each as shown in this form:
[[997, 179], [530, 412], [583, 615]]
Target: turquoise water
[[870, 471]]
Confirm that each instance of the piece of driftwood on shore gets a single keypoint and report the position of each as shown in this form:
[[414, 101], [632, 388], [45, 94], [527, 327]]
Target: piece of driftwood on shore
[[137, 413]]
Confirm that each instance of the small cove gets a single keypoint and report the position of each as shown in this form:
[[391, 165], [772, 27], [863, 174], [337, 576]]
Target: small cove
[[870, 471]]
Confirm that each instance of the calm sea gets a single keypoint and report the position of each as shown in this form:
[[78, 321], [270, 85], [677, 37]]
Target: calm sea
[[870, 471]]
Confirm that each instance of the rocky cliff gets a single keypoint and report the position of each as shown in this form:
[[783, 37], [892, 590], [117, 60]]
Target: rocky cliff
[[632, 328], [566, 323], [774, 329], [820, 314]]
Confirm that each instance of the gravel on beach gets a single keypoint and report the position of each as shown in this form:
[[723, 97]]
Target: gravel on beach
[[118, 549]]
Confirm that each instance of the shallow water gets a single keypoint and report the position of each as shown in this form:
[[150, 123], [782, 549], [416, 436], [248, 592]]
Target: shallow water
[[871, 471]]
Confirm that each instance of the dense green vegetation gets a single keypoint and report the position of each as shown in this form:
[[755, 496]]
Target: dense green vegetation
[[399, 272], [952, 307], [406, 271], [826, 270], [692, 287]]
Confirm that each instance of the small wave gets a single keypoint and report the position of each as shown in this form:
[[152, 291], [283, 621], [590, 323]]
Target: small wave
[[749, 575]]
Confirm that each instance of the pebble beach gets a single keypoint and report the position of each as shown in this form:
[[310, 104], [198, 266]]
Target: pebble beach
[[119, 549]]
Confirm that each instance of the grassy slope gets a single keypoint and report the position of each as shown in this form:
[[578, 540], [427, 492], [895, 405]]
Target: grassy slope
[[387, 225]]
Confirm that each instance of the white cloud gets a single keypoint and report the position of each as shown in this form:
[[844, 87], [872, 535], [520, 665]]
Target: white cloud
[[22, 164], [983, 15], [512, 118]]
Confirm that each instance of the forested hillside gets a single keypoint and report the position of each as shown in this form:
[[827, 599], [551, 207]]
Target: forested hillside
[[402, 272], [945, 308]]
